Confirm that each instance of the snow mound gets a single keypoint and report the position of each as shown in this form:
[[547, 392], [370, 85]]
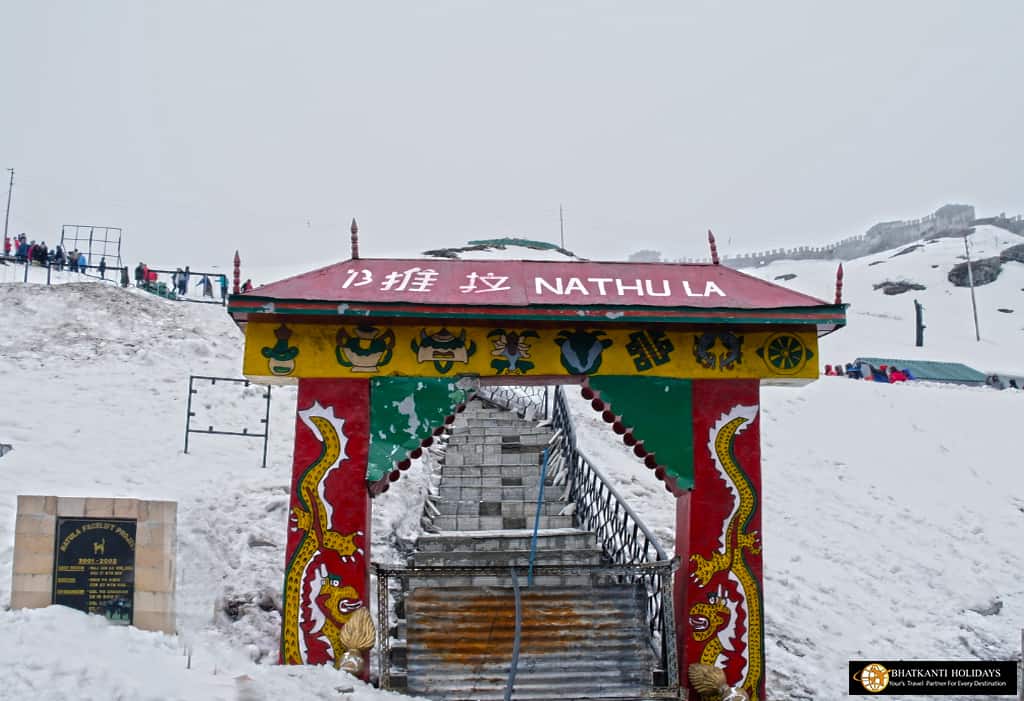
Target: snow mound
[[99, 381], [508, 248]]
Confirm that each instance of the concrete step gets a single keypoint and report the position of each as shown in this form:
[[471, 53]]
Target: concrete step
[[479, 454], [489, 492], [455, 581], [507, 558], [490, 470], [478, 523], [549, 507], [547, 539]]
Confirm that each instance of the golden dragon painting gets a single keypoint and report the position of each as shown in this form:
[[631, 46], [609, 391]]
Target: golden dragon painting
[[730, 621], [330, 603]]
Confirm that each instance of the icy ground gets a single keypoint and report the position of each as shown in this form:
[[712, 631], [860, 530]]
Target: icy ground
[[893, 515]]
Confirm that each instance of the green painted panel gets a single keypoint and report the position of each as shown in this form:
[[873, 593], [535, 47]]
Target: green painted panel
[[403, 412], [659, 411]]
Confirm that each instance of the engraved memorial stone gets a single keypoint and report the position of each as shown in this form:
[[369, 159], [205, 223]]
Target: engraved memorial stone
[[95, 566]]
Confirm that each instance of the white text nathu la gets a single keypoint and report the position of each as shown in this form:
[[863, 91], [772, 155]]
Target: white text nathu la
[[616, 286]]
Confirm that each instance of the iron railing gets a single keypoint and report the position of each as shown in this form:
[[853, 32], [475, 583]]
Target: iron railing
[[394, 577], [530, 401], [624, 538]]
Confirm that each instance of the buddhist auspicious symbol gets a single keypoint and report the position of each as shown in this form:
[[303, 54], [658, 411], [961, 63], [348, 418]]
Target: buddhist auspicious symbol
[[649, 348], [785, 353], [511, 351], [704, 349], [443, 349], [581, 350], [281, 358], [365, 351]]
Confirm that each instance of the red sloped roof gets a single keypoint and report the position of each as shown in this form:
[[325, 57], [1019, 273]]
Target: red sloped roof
[[521, 283]]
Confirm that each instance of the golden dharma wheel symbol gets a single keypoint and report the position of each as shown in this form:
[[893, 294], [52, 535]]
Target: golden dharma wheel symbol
[[785, 353], [873, 678]]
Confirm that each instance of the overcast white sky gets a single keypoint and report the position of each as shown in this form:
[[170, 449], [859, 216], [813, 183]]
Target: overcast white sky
[[202, 127]]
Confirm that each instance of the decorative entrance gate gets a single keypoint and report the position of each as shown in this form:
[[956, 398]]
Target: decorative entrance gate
[[672, 355]]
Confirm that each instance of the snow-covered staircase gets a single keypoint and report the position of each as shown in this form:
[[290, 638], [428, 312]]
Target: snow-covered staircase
[[583, 636]]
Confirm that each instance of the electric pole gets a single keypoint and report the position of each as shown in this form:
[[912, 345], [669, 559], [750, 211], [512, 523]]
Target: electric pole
[[970, 281], [561, 224], [10, 187]]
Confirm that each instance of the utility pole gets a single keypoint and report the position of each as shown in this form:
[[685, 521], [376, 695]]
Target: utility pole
[[970, 281], [919, 314], [10, 187], [561, 224]]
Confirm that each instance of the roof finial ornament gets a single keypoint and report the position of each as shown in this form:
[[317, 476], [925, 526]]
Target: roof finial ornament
[[355, 240], [839, 284], [238, 274], [714, 248]]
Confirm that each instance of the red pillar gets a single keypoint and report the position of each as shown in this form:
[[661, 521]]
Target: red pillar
[[720, 616], [327, 557]]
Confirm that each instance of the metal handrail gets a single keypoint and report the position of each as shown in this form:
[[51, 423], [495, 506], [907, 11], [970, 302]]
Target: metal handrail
[[622, 535]]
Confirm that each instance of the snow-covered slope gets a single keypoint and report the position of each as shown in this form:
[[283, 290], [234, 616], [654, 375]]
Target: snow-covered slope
[[893, 522], [890, 512], [94, 382], [881, 325]]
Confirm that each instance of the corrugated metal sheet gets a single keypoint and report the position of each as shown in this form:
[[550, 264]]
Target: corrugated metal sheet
[[518, 283], [576, 642], [932, 370]]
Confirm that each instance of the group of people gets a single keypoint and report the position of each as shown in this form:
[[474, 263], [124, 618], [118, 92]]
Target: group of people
[[867, 371], [180, 278], [25, 251]]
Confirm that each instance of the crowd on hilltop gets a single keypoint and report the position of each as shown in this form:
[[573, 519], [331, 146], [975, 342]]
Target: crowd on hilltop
[[24, 250], [867, 371], [179, 282]]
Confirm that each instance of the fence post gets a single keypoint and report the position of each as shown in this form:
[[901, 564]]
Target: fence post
[[26, 270], [48, 268], [266, 428], [188, 412]]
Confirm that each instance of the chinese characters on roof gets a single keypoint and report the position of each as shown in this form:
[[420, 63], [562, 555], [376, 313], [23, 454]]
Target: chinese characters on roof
[[417, 279]]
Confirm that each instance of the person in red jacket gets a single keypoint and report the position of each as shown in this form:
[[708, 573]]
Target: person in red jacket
[[896, 375], [7, 245]]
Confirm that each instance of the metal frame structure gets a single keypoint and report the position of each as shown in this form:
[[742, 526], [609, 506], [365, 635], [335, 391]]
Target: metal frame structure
[[70, 232], [210, 430], [660, 571]]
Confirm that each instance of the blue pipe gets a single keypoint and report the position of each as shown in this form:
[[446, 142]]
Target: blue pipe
[[536, 518]]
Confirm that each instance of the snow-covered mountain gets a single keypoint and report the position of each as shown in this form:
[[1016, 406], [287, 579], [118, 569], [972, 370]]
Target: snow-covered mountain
[[893, 514]]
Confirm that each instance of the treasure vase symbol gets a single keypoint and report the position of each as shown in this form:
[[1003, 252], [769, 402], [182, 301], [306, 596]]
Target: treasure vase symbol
[[366, 349], [281, 357], [581, 350], [511, 351], [443, 349]]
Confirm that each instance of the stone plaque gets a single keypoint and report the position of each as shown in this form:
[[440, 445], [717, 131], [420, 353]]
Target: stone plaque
[[94, 566]]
